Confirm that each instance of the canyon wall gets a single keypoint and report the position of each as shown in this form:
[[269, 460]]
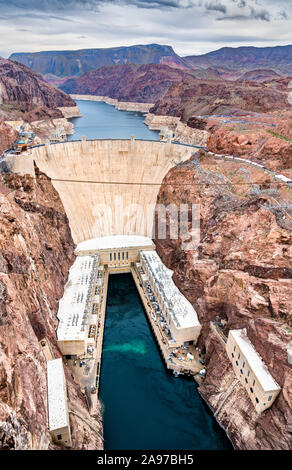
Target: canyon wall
[[36, 252], [241, 273], [26, 95]]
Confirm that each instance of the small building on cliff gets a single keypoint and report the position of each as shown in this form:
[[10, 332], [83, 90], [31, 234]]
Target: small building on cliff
[[59, 424], [252, 372]]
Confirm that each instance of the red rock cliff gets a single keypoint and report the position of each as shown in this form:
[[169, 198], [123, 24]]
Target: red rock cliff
[[36, 251], [242, 273]]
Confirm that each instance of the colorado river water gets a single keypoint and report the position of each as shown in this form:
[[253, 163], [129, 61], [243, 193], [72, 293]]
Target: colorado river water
[[144, 406], [102, 121]]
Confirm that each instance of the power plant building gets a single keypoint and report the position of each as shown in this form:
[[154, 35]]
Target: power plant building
[[178, 311], [253, 373], [74, 313], [59, 424]]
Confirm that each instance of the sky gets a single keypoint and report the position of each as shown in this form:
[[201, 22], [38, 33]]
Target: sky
[[190, 26]]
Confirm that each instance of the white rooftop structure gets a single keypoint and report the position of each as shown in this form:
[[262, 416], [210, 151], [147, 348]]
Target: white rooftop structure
[[72, 312], [180, 309], [255, 362], [57, 395], [113, 242]]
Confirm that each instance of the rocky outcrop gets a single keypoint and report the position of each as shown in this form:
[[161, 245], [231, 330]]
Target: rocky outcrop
[[36, 251], [260, 75], [7, 136], [241, 273], [27, 99], [25, 93], [70, 111], [261, 145], [284, 128]]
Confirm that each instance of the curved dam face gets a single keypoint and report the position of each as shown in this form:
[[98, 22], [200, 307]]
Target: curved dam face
[[108, 187]]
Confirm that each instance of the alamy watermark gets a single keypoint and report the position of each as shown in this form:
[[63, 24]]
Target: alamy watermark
[[173, 222]]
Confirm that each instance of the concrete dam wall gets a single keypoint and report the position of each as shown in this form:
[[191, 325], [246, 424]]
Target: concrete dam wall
[[108, 187]]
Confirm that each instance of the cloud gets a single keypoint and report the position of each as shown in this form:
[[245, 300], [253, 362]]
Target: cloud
[[63, 5], [254, 14], [216, 6], [283, 15], [190, 26]]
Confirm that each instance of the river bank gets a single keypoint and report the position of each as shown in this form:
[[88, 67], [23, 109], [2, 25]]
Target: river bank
[[180, 131], [120, 105]]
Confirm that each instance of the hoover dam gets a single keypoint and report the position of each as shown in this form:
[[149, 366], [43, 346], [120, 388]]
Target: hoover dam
[[97, 179]]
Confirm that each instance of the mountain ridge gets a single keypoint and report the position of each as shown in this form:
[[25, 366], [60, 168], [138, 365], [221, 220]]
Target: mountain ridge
[[246, 58], [57, 66], [73, 63]]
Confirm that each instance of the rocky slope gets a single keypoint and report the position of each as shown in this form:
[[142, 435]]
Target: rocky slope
[[277, 58], [240, 272], [202, 97], [36, 251], [24, 94], [269, 146], [56, 64], [144, 83]]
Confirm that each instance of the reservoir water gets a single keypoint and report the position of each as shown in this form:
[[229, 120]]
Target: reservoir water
[[102, 121], [144, 406]]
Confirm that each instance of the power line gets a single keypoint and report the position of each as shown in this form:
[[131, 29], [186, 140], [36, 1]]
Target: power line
[[142, 183]]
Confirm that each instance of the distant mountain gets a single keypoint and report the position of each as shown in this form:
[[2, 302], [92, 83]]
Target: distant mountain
[[26, 95], [52, 64], [138, 83], [277, 58]]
